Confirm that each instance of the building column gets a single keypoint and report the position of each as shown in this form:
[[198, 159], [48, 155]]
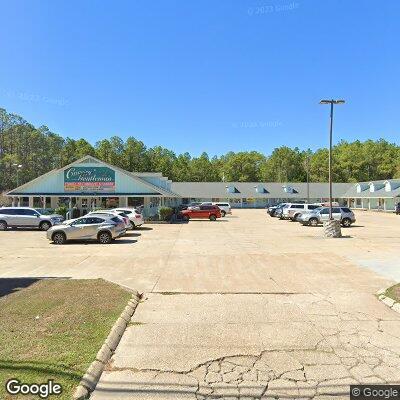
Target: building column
[[70, 208], [53, 202], [30, 201], [19, 201], [146, 208]]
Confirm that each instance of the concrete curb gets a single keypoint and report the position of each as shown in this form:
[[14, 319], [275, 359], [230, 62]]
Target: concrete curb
[[395, 306], [96, 368]]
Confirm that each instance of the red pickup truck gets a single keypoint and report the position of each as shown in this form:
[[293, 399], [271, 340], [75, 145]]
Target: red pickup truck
[[209, 212]]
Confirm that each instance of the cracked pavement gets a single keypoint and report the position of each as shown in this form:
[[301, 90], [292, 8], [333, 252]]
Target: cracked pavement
[[248, 307], [301, 325], [291, 346]]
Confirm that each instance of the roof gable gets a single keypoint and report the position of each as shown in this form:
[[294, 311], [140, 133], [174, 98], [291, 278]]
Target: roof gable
[[125, 181]]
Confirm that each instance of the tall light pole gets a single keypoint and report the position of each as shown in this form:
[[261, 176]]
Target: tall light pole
[[307, 168], [331, 102], [18, 167]]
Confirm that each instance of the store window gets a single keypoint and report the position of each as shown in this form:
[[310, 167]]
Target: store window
[[112, 202], [135, 201]]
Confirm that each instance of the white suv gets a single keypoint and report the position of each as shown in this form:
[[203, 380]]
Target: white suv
[[26, 217], [224, 207], [294, 210], [134, 215]]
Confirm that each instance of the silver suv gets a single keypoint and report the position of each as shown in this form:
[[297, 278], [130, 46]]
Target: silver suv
[[294, 210], [25, 217], [101, 227], [321, 214]]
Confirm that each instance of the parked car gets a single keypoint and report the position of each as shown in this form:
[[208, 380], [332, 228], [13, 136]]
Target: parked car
[[26, 217], [278, 211], [398, 209], [224, 207], [272, 209], [135, 216], [100, 227], [294, 211], [321, 214], [122, 215], [210, 212], [193, 204], [326, 204]]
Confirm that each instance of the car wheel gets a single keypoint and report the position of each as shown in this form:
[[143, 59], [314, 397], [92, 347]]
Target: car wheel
[[346, 222], [185, 218], [44, 226], [59, 238], [223, 213], [3, 225], [313, 222], [213, 218], [105, 237]]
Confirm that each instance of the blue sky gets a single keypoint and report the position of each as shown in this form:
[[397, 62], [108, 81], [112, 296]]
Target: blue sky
[[204, 75]]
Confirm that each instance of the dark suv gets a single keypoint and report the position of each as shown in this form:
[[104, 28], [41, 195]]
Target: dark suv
[[25, 217]]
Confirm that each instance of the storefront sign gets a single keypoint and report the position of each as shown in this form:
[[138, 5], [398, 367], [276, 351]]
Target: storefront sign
[[89, 179]]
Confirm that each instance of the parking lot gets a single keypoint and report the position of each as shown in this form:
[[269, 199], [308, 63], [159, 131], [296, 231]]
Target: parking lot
[[246, 252], [245, 290]]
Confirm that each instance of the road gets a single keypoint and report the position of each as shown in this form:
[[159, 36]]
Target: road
[[246, 307]]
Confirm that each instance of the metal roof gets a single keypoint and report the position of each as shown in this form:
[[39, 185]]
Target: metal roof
[[249, 189], [380, 192]]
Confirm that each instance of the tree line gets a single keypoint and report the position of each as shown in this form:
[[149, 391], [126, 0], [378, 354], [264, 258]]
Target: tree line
[[39, 150]]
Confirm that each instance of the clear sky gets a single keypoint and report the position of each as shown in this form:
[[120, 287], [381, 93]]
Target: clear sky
[[204, 75]]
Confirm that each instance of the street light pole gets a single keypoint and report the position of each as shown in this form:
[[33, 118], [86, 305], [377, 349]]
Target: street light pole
[[307, 168], [331, 227], [18, 166], [331, 102], [330, 164]]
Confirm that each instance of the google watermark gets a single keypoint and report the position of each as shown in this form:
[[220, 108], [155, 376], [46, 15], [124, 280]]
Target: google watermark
[[269, 9], [35, 98], [256, 124], [43, 390], [374, 392]]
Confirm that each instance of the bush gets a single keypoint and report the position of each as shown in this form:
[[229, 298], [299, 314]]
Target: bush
[[165, 213], [62, 210]]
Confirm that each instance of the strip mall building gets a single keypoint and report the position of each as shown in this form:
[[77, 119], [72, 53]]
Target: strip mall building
[[89, 183]]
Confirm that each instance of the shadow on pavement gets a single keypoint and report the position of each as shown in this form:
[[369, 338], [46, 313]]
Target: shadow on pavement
[[93, 242], [132, 234], [29, 366], [12, 285]]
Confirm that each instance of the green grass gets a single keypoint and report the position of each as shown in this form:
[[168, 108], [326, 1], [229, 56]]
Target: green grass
[[54, 328], [393, 292]]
